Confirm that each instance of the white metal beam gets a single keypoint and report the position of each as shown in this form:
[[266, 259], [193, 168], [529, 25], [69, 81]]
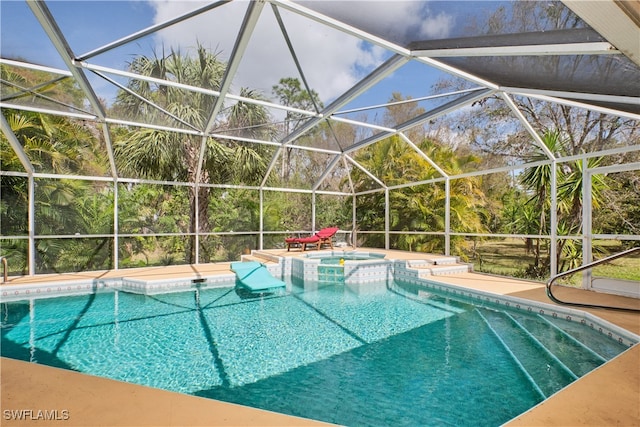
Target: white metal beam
[[31, 221], [43, 15], [47, 111], [595, 97], [292, 51], [152, 126], [387, 218], [340, 26], [447, 217], [150, 30], [387, 68], [617, 21], [36, 67], [587, 223], [365, 171], [147, 101], [429, 115], [346, 167], [246, 29], [457, 72], [571, 103], [626, 167], [326, 172], [361, 124], [15, 144], [48, 23], [515, 110], [275, 144], [422, 154], [408, 101], [99, 68], [34, 91], [594, 48], [449, 107], [553, 219]]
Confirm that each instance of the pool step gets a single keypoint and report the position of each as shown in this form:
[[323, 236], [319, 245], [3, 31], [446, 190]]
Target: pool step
[[438, 266], [424, 297], [431, 261], [579, 358], [565, 356], [547, 373]]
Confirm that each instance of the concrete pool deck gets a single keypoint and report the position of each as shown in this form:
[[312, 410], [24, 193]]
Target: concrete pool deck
[[610, 395]]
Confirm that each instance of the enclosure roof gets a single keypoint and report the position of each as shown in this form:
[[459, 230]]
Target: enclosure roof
[[445, 55]]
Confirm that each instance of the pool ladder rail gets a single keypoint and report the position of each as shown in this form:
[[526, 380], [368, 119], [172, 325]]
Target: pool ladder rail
[[586, 267], [5, 277]]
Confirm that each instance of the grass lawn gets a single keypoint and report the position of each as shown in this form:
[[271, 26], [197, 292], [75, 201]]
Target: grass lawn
[[508, 257]]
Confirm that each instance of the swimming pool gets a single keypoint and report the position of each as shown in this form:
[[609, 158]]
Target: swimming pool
[[394, 355]]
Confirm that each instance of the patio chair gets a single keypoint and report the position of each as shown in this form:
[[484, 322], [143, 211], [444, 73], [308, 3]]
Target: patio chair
[[322, 237], [326, 236]]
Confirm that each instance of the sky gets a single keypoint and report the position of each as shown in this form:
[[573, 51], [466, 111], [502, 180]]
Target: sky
[[331, 60]]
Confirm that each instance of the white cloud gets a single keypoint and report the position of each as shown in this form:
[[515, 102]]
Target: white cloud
[[436, 27], [331, 60]]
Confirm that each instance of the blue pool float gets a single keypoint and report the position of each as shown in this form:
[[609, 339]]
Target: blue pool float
[[255, 276]]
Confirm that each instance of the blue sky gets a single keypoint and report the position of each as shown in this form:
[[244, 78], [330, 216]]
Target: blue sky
[[91, 24]]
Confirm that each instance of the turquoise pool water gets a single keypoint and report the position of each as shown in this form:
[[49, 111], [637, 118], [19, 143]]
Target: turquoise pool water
[[388, 357], [337, 260], [338, 257]]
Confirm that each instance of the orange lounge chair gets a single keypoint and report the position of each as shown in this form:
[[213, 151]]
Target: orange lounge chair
[[322, 237]]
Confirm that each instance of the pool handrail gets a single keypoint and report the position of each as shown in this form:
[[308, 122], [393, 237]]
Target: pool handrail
[[6, 269], [586, 267]]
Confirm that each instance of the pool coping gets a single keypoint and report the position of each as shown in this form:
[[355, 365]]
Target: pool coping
[[620, 380]]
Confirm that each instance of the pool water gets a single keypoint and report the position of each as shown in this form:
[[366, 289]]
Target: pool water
[[388, 357], [341, 259], [337, 258]]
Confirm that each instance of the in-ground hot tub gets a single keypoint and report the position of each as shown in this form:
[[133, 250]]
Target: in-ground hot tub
[[353, 268]]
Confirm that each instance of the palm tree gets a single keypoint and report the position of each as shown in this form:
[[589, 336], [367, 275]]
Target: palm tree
[[570, 199], [538, 180], [53, 144], [418, 207], [165, 155]]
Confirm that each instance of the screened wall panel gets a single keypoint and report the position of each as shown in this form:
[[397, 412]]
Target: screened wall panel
[[370, 212], [502, 256], [14, 206], [72, 207], [226, 247], [417, 242], [417, 208], [370, 239], [16, 253], [73, 254], [150, 251], [153, 208], [627, 268], [334, 211], [234, 210], [288, 212], [619, 189]]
